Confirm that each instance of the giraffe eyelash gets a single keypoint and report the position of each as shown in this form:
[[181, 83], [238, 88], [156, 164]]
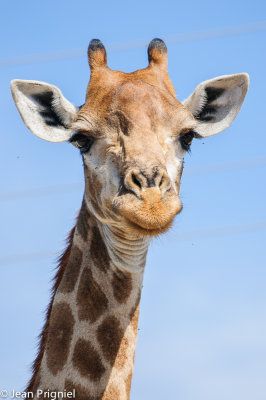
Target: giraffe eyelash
[[82, 142], [186, 140]]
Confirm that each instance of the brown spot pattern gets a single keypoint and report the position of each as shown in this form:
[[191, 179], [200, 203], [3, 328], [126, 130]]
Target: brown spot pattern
[[80, 392], [83, 221], [60, 333], [93, 188], [71, 272], [99, 254], [122, 286], [109, 335], [91, 300], [112, 393], [87, 360]]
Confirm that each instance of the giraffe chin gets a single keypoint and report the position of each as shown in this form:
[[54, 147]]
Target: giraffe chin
[[140, 231], [150, 216]]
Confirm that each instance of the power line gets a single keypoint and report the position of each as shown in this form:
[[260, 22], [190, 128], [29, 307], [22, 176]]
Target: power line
[[228, 166], [76, 186], [189, 235], [42, 191], [220, 231], [38, 255], [132, 45]]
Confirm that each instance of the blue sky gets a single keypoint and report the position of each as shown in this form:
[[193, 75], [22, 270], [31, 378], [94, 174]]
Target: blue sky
[[203, 321]]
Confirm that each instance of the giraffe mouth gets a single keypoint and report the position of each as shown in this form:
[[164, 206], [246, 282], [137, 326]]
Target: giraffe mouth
[[151, 215], [147, 231]]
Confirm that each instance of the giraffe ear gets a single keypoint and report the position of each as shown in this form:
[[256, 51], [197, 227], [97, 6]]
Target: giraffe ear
[[215, 103], [44, 110]]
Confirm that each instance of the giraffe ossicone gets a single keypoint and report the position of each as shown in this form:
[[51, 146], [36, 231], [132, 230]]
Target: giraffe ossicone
[[133, 135]]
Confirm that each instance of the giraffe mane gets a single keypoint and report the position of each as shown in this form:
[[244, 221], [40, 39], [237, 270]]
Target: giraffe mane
[[42, 338]]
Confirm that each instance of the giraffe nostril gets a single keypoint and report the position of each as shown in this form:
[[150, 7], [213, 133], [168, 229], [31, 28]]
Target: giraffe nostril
[[136, 181]]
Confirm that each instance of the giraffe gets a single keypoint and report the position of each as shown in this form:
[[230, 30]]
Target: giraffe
[[133, 134]]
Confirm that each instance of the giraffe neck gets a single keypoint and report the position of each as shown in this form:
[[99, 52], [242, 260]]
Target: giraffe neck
[[90, 336]]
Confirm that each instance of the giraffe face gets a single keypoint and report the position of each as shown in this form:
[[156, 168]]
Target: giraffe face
[[132, 132], [133, 152]]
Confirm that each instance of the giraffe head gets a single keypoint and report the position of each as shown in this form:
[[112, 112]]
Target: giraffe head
[[132, 133]]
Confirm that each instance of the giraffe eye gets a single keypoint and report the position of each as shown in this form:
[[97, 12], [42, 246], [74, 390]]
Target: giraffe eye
[[186, 140], [82, 142]]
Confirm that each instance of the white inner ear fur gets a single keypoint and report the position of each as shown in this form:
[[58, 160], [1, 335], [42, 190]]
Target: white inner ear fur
[[215, 103], [44, 109]]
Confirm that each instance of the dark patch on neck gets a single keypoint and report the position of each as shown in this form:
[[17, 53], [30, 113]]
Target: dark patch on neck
[[61, 325], [91, 300], [122, 285], [47, 111], [87, 360], [71, 273], [99, 253], [109, 335], [83, 221]]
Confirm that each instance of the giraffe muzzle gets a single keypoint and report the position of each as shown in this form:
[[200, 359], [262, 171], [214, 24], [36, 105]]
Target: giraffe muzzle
[[138, 181], [150, 204]]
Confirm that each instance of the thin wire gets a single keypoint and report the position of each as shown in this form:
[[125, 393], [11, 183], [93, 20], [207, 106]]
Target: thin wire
[[222, 167], [220, 231], [132, 45], [42, 191], [38, 255], [184, 236], [73, 187]]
